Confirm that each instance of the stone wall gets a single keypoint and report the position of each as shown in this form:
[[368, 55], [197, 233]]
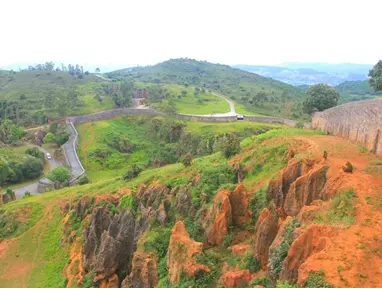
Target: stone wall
[[109, 114], [357, 121]]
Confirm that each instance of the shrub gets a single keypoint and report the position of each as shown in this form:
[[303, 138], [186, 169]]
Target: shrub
[[10, 193], [228, 239], [129, 202], [299, 125], [187, 159], [285, 284], [83, 180], [49, 138], [262, 281], [27, 194], [278, 255], [35, 152], [342, 210], [317, 280], [251, 263], [228, 144], [258, 202], [132, 172], [32, 168], [60, 174]]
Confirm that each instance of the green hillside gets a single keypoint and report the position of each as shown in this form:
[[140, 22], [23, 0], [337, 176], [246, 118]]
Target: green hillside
[[30, 97], [356, 91], [256, 94]]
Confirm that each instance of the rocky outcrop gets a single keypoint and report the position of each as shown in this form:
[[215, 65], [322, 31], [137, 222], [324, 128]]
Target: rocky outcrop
[[305, 189], [219, 218], [239, 204], [311, 240], [111, 282], [236, 279], [144, 272], [266, 230], [109, 245], [276, 243], [181, 255], [279, 187]]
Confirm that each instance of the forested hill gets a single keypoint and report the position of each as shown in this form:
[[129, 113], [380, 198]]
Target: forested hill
[[257, 94], [355, 91]]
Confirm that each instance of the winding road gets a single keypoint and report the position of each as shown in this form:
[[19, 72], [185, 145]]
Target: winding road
[[32, 188], [70, 147]]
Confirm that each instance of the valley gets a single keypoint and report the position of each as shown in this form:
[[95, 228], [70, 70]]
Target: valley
[[170, 189]]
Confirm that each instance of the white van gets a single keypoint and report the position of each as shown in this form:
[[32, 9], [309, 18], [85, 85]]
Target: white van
[[48, 156]]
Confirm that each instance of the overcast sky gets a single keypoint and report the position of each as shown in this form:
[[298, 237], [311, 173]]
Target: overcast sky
[[132, 32]]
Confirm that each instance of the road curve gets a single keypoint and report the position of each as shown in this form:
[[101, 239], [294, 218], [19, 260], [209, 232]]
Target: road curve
[[32, 188]]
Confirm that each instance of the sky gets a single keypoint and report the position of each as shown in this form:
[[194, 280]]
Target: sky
[[124, 33]]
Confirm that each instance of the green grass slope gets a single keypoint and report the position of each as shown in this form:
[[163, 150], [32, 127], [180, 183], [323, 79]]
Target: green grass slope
[[256, 94]]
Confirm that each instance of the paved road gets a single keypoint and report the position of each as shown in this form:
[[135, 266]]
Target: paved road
[[32, 188]]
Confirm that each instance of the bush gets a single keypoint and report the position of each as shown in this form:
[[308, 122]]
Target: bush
[[49, 138], [129, 202], [228, 144], [60, 174], [342, 210], [35, 152], [299, 124], [187, 159], [251, 263], [32, 168], [317, 280], [278, 255], [10, 193], [27, 194], [261, 281], [258, 202], [83, 180], [132, 172]]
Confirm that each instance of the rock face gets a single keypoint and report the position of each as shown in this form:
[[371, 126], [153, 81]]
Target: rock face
[[311, 240], [219, 218], [279, 187], [239, 204], [181, 254], [266, 230], [144, 272], [109, 245], [305, 189]]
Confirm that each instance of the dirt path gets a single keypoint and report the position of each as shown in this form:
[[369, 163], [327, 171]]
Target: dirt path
[[354, 256]]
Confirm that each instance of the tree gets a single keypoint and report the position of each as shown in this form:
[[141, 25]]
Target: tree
[[320, 97], [49, 138], [32, 168], [35, 152], [97, 70], [375, 75], [228, 144], [60, 174]]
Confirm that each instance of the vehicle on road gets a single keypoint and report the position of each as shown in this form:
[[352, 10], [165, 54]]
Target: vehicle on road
[[240, 117], [48, 156]]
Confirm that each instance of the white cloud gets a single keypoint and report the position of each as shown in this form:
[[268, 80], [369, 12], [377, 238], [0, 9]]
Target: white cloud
[[232, 32]]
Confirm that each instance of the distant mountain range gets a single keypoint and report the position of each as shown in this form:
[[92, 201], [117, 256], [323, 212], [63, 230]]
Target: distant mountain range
[[311, 73]]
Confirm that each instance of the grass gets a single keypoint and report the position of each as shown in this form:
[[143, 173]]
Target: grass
[[138, 131], [342, 210]]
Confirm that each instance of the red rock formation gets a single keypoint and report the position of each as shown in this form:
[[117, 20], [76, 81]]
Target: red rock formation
[[266, 230], [240, 249], [239, 204], [236, 279], [144, 271], [219, 218], [305, 189], [112, 282], [279, 187], [311, 240], [181, 254]]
